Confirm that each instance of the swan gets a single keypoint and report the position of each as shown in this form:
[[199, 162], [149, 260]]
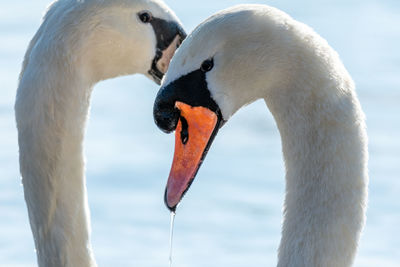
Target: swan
[[78, 44], [252, 52]]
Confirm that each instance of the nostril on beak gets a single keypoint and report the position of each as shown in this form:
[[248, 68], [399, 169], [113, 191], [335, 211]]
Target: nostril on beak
[[185, 130]]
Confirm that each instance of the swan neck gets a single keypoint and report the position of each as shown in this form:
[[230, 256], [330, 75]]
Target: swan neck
[[51, 111], [325, 152]]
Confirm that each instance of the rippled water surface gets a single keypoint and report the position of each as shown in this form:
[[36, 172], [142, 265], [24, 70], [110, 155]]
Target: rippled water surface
[[232, 215]]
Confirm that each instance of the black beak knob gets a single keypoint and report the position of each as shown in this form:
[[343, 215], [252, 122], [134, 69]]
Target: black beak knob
[[165, 114]]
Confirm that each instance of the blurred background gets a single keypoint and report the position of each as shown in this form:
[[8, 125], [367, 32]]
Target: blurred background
[[232, 214]]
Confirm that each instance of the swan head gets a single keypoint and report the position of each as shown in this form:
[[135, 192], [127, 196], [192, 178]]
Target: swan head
[[129, 36], [228, 61]]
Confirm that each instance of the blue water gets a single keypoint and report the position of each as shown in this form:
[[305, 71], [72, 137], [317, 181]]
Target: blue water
[[232, 214]]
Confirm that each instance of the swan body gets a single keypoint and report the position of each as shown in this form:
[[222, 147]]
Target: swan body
[[250, 52], [78, 44]]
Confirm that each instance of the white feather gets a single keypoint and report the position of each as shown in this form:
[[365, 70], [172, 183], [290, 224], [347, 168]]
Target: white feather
[[78, 44], [261, 52]]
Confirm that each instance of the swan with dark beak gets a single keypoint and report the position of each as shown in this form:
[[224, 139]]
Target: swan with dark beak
[[78, 44]]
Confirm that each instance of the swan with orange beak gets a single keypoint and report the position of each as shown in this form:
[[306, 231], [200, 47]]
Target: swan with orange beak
[[252, 52]]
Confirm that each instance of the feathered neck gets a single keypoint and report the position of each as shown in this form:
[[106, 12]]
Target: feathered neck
[[51, 110], [325, 150]]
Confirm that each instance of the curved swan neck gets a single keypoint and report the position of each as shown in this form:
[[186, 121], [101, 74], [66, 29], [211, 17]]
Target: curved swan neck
[[51, 109], [324, 147], [63, 62], [322, 127], [326, 178], [51, 116]]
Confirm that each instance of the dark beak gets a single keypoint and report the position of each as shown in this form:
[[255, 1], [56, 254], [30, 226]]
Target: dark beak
[[169, 37]]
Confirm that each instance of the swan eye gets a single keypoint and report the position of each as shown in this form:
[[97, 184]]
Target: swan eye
[[145, 17], [207, 65]]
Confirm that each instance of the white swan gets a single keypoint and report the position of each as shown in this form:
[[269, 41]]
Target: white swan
[[78, 44], [251, 52]]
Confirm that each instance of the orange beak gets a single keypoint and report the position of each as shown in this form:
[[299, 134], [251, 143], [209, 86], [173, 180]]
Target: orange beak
[[194, 134]]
